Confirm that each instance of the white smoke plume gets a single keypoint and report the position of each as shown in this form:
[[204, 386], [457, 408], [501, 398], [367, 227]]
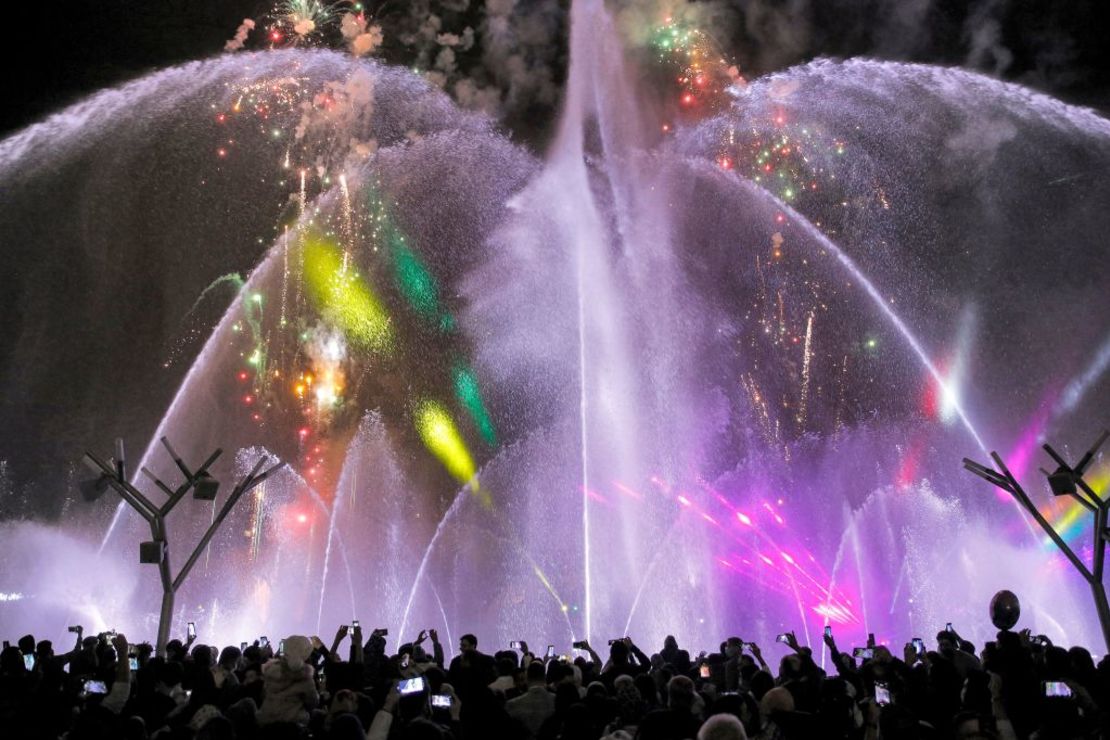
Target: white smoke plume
[[236, 42], [983, 31]]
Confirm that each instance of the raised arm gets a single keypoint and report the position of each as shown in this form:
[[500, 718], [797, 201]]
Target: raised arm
[[339, 635], [758, 655], [593, 653], [641, 659], [437, 648], [121, 687]]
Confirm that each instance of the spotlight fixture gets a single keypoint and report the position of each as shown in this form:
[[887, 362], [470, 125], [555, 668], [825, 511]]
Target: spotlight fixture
[[205, 488], [153, 552], [93, 488], [1062, 482]]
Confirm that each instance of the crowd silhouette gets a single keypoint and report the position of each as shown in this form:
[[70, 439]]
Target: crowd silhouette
[[1015, 687]]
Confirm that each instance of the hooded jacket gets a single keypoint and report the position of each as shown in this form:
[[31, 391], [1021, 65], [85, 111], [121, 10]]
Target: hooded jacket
[[290, 693]]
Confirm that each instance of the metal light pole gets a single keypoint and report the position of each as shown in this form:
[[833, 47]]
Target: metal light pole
[[1065, 481], [157, 550]]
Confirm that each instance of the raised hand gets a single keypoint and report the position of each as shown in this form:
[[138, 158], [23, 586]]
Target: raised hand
[[434, 635]]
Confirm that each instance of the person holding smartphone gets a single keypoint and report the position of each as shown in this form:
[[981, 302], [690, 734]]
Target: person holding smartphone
[[625, 659], [948, 645]]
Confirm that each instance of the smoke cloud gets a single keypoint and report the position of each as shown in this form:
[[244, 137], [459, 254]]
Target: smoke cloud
[[236, 42]]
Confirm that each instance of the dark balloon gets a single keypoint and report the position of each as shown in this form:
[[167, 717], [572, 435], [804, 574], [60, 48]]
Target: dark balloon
[[1005, 610]]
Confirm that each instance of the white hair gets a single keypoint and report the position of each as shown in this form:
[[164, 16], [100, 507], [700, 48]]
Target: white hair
[[722, 727]]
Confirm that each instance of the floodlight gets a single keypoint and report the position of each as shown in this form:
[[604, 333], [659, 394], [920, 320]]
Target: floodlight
[[1062, 482], [94, 488], [205, 488], [152, 552]]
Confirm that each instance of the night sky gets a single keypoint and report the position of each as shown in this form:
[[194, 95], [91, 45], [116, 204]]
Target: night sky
[[1057, 46]]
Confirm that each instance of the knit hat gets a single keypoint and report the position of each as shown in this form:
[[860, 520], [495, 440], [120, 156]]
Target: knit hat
[[202, 715], [297, 650]]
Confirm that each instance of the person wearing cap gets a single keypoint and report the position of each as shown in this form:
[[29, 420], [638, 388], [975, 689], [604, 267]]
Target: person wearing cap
[[290, 691]]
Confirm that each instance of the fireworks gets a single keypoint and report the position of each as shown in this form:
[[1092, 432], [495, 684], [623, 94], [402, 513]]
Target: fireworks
[[702, 74], [786, 159], [300, 19]]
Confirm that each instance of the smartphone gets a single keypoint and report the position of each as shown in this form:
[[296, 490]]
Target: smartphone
[[870, 639], [704, 670], [263, 641], [411, 685], [1038, 640], [134, 663], [918, 645], [948, 627], [1057, 688], [242, 647], [441, 701], [405, 660], [882, 694], [550, 651], [828, 630], [784, 638], [865, 653], [354, 624], [382, 632], [281, 647], [614, 641], [580, 645], [94, 687], [75, 628], [29, 661], [515, 645], [191, 630]]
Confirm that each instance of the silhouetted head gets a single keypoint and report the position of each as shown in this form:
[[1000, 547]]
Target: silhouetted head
[[537, 674], [468, 644], [669, 643], [722, 727], [1081, 662], [946, 644], [202, 656], [422, 729], [230, 657], [680, 693], [11, 661], [618, 652], [27, 644], [645, 684], [175, 650]]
